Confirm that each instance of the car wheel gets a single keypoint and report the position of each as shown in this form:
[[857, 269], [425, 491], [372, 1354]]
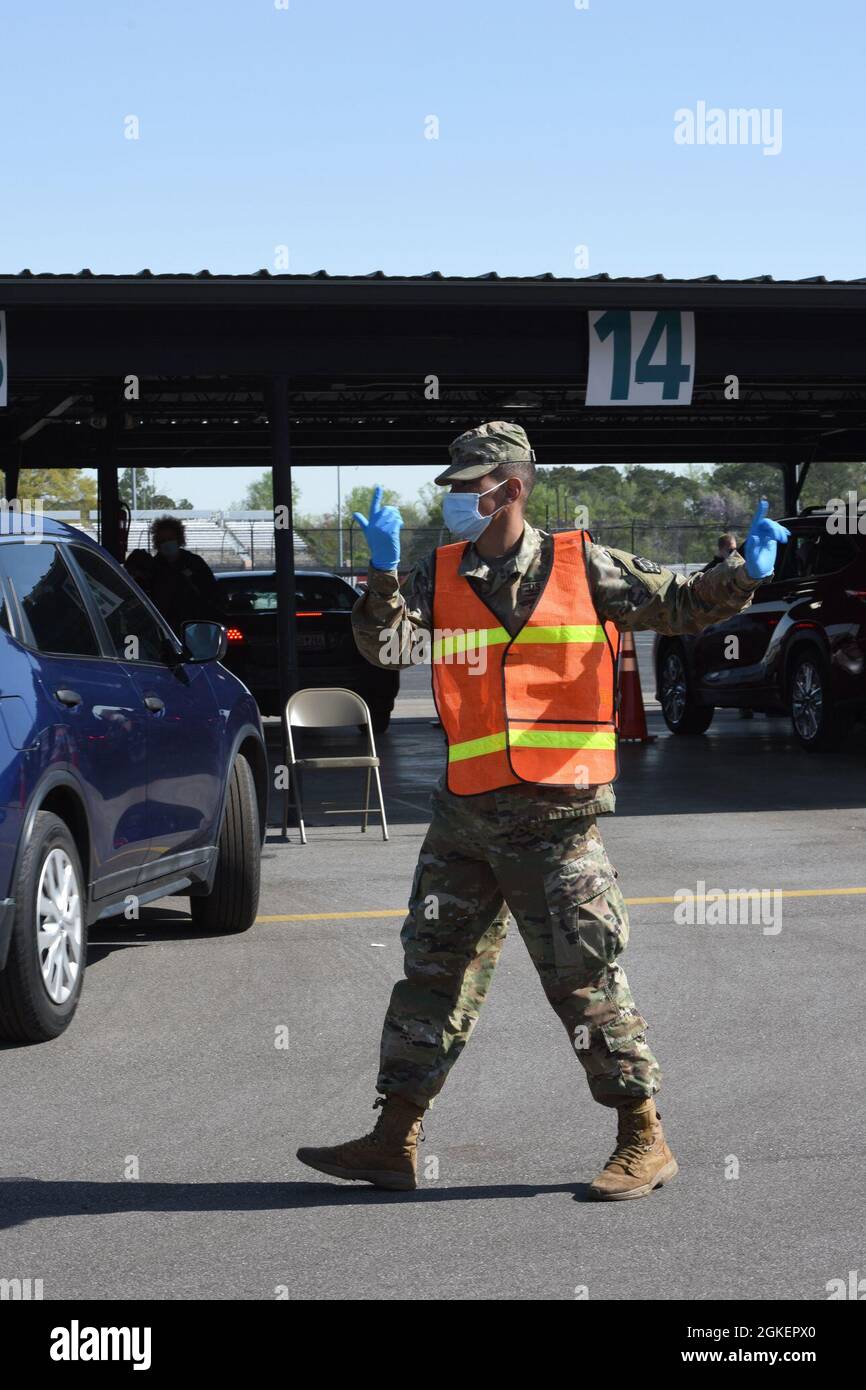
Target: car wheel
[[817, 723], [41, 984], [232, 904], [682, 713]]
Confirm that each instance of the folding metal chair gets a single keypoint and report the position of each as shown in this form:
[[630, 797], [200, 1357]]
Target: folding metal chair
[[328, 709]]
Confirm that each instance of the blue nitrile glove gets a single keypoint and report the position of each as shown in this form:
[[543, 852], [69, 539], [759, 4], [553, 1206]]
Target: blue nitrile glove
[[760, 546], [381, 532]]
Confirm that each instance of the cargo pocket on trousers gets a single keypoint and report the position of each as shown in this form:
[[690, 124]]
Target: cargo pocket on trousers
[[622, 1033], [583, 926]]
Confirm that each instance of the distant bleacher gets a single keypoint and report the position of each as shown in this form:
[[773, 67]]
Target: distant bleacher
[[242, 540]]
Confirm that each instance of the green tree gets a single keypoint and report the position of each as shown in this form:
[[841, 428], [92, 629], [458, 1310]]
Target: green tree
[[259, 496], [61, 489], [430, 499], [655, 511], [748, 482], [751, 482], [162, 502], [146, 496], [828, 480]]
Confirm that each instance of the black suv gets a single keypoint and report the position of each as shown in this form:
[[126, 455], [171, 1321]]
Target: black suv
[[800, 646], [327, 654]]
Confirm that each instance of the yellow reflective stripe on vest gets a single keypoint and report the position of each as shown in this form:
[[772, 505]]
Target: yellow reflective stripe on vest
[[474, 639], [560, 738], [476, 748], [586, 632], [533, 738]]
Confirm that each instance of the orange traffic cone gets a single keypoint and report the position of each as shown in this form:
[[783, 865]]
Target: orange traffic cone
[[632, 719]]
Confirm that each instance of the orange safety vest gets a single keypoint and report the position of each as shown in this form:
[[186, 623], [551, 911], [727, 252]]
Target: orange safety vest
[[544, 708]]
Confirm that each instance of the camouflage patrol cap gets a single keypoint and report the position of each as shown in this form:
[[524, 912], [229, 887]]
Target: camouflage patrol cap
[[483, 449]]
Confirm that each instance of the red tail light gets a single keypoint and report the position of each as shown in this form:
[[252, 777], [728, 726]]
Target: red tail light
[[310, 614], [234, 634]]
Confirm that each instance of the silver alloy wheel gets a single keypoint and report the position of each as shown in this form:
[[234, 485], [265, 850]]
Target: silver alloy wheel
[[673, 687], [59, 926], [807, 701]]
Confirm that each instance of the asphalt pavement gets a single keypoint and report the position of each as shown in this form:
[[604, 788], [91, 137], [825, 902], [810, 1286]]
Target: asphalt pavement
[[149, 1152]]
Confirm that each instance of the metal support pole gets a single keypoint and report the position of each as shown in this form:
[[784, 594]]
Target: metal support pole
[[790, 489], [802, 475], [12, 456], [284, 546], [109, 491]]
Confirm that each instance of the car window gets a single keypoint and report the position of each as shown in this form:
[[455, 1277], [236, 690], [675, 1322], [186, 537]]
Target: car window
[[323, 591], [248, 596], [797, 556], [833, 552], [48, 597], [135, 633], [313, 593]]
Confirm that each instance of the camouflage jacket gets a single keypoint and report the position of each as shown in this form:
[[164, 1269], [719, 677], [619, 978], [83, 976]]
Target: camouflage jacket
[[634, 593]]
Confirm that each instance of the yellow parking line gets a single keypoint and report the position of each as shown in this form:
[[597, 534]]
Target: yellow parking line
[[632, 902], [783, 893]]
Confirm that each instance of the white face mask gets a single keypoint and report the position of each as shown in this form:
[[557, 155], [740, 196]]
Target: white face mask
[[462, 517]]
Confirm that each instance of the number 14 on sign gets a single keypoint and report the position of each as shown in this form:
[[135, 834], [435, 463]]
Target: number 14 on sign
[[641, 357]]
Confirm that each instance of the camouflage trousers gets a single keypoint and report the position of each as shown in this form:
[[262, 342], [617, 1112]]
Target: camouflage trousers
[[486, 857]]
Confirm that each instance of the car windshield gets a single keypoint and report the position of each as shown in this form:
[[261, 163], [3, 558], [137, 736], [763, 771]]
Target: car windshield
[[313, 593]]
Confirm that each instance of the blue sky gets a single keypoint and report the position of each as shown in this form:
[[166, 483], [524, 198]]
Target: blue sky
[[304, 127]]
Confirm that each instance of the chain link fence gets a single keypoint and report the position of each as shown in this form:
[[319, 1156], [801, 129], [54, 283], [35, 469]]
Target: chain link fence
[[668, 542], [246, 540]]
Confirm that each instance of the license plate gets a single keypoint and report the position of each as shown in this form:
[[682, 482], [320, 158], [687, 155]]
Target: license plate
[[311, 642]]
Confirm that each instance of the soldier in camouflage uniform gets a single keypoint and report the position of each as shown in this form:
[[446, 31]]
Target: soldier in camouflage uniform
[[530, 850]]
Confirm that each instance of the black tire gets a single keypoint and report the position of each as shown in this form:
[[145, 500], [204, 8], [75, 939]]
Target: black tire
[[680, 709], [232, 904], [28, 1014], [818, 724]]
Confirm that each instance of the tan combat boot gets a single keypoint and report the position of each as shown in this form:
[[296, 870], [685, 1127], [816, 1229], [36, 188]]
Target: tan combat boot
[[641, 1159], [386, 1158]]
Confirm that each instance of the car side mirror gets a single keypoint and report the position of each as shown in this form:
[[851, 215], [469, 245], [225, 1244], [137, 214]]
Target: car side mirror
[[205, 641]]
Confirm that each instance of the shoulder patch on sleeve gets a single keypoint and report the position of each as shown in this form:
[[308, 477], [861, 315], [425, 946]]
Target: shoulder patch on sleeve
[[646, 566]]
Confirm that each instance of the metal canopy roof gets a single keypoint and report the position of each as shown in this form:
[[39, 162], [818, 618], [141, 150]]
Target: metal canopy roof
[[358, 349], [264, 286], [430, 275]]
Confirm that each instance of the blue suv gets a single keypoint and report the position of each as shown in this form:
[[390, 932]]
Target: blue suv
[[132, 767]]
